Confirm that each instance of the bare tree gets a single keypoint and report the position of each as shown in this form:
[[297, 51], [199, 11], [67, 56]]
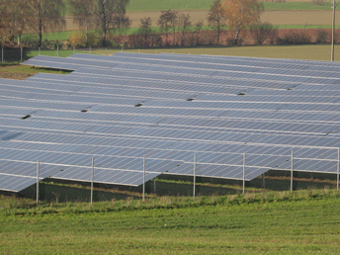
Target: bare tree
[[197, 30], [217, 18], [123, 22], [46, 14], [174, 22], [82, 11], [184, 23], [166, 22], [107, 13], [145, 30]]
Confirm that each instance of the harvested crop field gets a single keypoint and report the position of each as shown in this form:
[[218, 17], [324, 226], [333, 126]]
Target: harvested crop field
[[320, 18]]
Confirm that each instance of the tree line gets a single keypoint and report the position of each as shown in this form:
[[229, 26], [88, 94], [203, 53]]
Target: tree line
[[20, 16], [241, 17]]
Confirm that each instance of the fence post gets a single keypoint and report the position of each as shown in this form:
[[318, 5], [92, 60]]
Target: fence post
[[90, 49], [292, 171], [37, 184], [92, 177], [73, 50], [338, 171], [39, 51], [154, 185], [106, 51], [264, 180], [2, 55], [244, 173], [194, 187], [57, 51], [143, 179], [21, 54]]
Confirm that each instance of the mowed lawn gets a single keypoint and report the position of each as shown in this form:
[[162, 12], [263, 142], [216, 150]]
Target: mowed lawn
[[308, 226]]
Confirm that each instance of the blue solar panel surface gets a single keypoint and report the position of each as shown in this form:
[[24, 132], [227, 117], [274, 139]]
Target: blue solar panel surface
[[118, 109]]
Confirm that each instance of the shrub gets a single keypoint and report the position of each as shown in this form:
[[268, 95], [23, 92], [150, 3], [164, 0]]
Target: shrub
[[30, 40], [295, 37], [78, 39], [261, 32], [322, 36]]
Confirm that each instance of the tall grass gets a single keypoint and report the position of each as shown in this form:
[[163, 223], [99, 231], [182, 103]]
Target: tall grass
[[12, 206]]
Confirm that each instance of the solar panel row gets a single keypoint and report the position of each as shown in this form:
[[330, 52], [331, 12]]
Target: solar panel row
[[118, 109]]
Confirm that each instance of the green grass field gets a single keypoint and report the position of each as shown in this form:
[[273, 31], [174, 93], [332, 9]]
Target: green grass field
[[311, 52], [159, 5], [305, 222]]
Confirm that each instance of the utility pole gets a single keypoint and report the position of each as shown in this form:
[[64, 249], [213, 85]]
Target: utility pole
[[333, 32]]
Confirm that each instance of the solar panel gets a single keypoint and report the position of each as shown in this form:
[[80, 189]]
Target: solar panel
[[168, 108]]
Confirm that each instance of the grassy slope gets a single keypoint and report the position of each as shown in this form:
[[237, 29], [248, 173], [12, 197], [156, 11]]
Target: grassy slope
[[302, 223]]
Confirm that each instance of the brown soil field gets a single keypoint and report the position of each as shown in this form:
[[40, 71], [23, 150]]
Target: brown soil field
[[274, 17]]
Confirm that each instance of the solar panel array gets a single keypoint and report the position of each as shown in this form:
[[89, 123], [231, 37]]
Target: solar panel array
[[168, 107]]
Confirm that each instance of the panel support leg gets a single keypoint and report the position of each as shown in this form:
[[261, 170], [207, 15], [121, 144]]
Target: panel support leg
[[292, 171], [92, 178], [37, 184], [194, 185], [154, 185], [338, 171], [264, 180], [143, 179], [244, 174]]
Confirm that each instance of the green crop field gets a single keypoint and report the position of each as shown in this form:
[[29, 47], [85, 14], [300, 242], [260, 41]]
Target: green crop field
[[305, 222], [159, 5]]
